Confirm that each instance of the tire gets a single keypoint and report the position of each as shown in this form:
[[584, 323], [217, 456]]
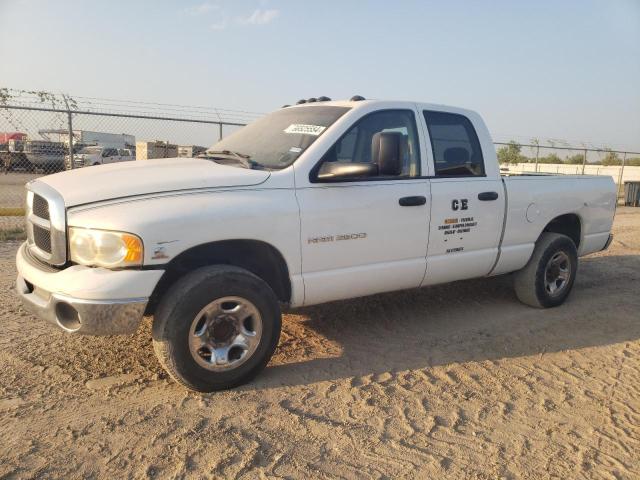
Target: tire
[[554, 255], [197, 308]]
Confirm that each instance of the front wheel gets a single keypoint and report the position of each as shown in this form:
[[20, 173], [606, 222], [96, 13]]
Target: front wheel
[[216, 328], [548, 277]]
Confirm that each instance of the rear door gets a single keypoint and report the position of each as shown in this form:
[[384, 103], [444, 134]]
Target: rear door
[[110, 155], [124, 155], [467, 205]]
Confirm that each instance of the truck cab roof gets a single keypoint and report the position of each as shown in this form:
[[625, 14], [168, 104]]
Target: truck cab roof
[[375, 104]]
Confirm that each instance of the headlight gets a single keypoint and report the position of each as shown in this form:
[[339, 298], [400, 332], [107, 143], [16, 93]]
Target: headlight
[[103, 248]]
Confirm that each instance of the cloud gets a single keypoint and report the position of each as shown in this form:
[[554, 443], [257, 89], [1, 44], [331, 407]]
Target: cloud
[[201, 9], [260, 17], [221, 25]]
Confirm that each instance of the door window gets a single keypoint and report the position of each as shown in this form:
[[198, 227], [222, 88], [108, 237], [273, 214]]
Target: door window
[[455, 145], [109, 152], [355, 146]]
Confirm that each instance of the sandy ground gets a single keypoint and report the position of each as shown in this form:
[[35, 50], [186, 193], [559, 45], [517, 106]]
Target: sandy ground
[[456, 381], [12, 196], [12, 188]]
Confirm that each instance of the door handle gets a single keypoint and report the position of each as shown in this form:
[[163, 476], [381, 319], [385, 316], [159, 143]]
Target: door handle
[[412, 201], [485, 196]]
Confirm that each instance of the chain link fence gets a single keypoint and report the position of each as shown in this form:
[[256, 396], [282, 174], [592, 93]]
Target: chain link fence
[[43, 133]]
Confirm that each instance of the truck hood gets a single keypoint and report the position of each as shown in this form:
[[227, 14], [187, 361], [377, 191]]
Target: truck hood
[[144, 177]]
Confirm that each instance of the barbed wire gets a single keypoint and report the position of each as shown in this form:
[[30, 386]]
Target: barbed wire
[[553, 142], [27, 98], [30, 98], [195, 107]]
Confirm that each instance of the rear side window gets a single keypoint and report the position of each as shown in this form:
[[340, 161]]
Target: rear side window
[[455, 145]]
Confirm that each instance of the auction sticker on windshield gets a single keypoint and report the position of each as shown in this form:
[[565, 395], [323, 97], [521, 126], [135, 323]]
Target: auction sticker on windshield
[[301, 129]]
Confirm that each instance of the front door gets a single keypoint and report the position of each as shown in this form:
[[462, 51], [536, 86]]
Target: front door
[[367, 235]]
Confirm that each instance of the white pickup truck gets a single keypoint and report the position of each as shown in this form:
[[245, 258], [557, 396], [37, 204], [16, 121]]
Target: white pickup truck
[[316, 202], [99, 155]]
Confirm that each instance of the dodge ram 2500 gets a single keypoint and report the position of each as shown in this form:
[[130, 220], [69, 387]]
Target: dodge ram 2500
[[313, 203]]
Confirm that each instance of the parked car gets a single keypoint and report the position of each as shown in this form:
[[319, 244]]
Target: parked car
[[99, 155], [45, 154], [312, 203]]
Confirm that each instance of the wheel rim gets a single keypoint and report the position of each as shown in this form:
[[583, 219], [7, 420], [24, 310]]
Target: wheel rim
[[225, 333], [557, 273]]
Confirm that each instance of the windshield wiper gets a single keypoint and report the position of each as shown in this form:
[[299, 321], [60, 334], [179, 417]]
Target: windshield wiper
[[241, 158]]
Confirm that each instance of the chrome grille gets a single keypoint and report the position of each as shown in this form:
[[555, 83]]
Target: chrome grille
[[46, 224], [40, 207], [42, 238]]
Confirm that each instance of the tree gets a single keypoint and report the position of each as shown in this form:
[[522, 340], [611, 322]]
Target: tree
[[510, 153], [551, 158], [611, 158], [576, 159]]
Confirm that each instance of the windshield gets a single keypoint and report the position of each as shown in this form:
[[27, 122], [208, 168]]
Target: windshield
[[278, 139]]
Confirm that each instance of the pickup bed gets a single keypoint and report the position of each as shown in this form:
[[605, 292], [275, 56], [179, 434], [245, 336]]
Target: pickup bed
[[316, 202]]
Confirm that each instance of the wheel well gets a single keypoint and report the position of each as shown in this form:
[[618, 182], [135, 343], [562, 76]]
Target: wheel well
[[260, 258], [568, 225]]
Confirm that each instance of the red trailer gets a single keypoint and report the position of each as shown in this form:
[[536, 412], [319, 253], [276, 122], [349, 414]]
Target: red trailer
[[6, 136], [11, 154]]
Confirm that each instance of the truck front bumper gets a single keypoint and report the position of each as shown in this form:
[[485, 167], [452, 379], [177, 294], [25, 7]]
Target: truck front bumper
[[84, 300]]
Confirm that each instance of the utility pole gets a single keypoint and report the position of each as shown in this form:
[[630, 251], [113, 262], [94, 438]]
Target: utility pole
[[620, 181], [536, 142], [70, 126], [584, 160]]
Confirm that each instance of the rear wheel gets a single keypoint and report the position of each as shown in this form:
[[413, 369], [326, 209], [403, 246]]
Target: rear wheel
[[216, 328], [548, 277]]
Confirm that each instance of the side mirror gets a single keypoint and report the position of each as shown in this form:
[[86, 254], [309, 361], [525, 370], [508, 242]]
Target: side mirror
[[385, 152], [336, 171]]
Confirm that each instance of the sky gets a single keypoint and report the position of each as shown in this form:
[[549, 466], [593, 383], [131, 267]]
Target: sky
[[547, 69]]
